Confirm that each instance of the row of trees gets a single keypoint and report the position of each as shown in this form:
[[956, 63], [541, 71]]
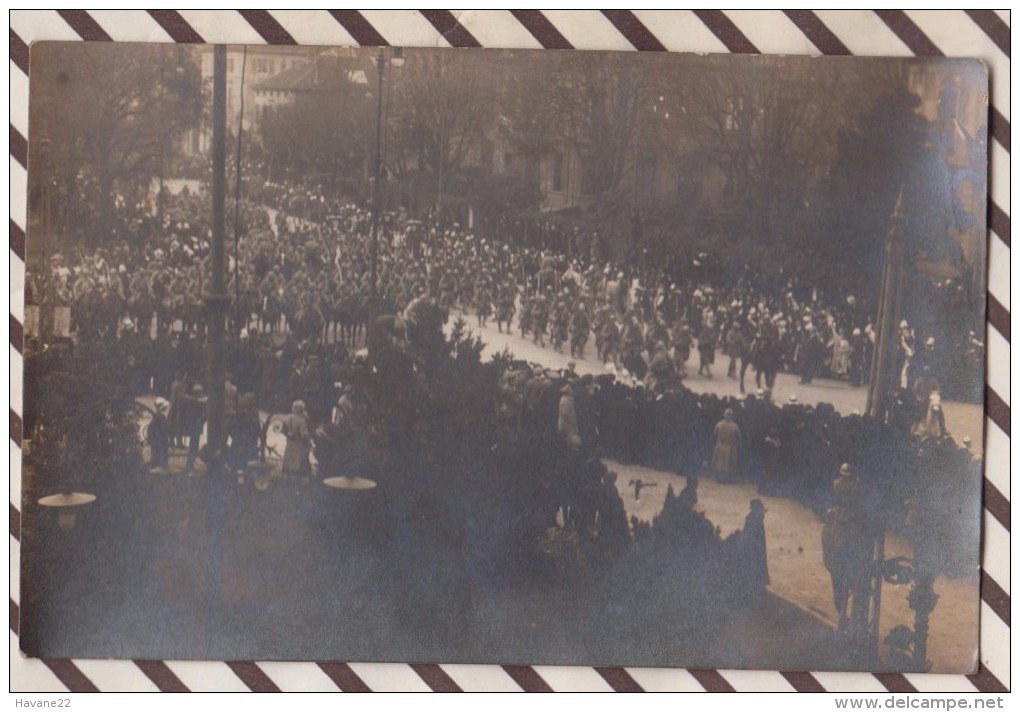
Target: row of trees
[[103, 118], [754, 153], [741, 153]]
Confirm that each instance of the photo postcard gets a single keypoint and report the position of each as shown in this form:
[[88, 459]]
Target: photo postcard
[[500, 356]]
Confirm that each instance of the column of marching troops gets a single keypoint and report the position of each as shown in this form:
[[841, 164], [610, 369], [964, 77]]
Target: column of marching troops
[[300, 286]]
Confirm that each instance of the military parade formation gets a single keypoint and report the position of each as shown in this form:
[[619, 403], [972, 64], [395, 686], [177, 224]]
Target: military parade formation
[[306, 274]]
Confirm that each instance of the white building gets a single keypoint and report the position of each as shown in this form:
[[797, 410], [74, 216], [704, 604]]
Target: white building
[[326, 71], [246, 68]]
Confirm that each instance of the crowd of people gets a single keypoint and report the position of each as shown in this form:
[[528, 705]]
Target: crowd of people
[[308, 273], [301, 280], [301, 287]]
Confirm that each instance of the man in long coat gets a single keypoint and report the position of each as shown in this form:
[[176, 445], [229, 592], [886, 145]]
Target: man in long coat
[[727, 440], [847, 552]]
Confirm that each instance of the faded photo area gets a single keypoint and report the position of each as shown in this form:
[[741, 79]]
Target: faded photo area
[[536, 357]]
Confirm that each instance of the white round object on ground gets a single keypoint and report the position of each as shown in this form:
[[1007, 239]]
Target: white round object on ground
[[349, 483]]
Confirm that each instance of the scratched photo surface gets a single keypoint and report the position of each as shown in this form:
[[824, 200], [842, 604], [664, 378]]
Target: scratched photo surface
[[498, 356]]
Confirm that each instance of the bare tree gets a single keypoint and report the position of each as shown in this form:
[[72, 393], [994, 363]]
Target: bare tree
[[761, 128], [598, 104], [439, 107], [327, 128], [110, 112]]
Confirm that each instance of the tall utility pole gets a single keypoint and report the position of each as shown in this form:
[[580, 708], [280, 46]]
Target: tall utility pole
[[216, 299], [884, 374], [162, 136], [380, 62], [373, 299]]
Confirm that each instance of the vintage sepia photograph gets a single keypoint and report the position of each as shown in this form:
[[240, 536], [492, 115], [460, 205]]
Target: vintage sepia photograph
[[504, 356]]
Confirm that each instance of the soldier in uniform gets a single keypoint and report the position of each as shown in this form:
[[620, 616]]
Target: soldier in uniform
[[559, 324], [598, 324], [580, 327], [539, 318], [524, 320], [847, 552], [483, 300], [633, 341], [682, 344], [505, 308], [706, 351], [735, 348]]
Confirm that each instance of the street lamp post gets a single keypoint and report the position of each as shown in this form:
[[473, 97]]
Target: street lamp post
[[216, 300], [380, 62], [162, 138], [373, 305]]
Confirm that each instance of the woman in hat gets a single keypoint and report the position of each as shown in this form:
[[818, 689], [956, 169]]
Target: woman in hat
[[299, 442]]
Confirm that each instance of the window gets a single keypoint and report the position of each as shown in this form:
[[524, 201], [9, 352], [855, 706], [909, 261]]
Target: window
[[734, 108], [688, 186], [557, 172]]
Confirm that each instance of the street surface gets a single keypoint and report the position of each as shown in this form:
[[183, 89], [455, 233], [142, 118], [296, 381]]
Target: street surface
[[793, 540], [793, 532], [962, 419]]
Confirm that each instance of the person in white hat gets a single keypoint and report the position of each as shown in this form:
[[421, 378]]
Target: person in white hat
[[858, 358]]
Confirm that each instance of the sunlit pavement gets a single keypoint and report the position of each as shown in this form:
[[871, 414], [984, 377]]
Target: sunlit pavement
[[793, 532], [962, 419]]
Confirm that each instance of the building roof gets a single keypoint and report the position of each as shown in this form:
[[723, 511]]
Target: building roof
[[321, 73]]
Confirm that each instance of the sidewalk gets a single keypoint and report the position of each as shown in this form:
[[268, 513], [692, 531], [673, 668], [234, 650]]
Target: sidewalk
[[793, 536]]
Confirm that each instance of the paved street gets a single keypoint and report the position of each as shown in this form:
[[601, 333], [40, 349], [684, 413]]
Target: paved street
[[793, 532], [793, 537], [962, 419]]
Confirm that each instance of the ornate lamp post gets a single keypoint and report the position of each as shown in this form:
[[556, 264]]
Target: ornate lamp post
[[882, 385]]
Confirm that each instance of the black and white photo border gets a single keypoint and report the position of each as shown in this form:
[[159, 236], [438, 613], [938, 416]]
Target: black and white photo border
[[983, 34]]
